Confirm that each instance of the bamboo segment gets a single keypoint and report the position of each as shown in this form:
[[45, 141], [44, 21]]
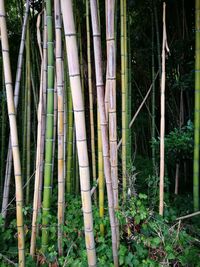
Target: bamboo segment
[[69, 142], [79, 115], [111, 86], [16, 100], [60, 96], [49, 128], [162, 120], [14, 135], [196, 108], [94, 177], [103, 123], [100, 175]]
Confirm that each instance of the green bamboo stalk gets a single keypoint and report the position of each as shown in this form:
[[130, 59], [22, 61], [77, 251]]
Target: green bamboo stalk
[[70, 122], [80, 125], [14, 135], [49, 128], [196, 108]]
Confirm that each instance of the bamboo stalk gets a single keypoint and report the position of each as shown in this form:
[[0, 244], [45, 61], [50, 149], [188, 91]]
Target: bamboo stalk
[[16, 100], [162, 119], [196, 108], [49, 138], [111, 85], [60, 96], [94, 176], [123, 90], [79, 115], [40, 147], [28, 118], [103, 123], [14, 135]]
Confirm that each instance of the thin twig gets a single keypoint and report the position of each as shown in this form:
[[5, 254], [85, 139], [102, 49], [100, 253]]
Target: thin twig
[[188, 216]]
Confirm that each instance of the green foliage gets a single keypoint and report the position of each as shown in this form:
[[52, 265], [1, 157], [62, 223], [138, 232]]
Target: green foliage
[[178, 143]]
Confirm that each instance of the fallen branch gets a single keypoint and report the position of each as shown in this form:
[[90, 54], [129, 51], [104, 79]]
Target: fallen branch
[[188, 216], [8, 260]]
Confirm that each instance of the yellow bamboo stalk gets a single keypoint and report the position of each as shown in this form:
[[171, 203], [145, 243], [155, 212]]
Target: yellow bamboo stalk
[[79, 115], [14, 135]]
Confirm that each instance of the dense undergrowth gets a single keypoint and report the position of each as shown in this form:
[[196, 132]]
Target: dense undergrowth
[[146, 239]]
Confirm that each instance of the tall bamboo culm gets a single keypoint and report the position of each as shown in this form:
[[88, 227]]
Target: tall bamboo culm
[[103, 123], [60, 95], [80, 125], [123, 90], [94, 175], [16, 100], [111, 85], [40, 144], [49, 138], [162, 119], [197, 108], [13, 134]]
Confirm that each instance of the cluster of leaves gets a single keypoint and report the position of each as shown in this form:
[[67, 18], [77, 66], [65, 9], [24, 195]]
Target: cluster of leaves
[[178, 143]]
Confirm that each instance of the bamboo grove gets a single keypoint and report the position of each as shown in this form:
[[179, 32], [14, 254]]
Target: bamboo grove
[[72, 109]]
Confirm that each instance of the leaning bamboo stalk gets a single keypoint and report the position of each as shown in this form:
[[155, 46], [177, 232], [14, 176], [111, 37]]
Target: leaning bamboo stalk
[[79, 115], [13, 134], [16, 100], [40, 145], [94, 176], [103, 123], [111, 87], [60, 119], [162, 120]]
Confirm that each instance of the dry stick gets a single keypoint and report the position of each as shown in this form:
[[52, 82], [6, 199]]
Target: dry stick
[[8, 260], [162, 120], [92, 191], [39, 159], [111, 87], [140, 107], [60, 118], [13, 134], [103, 123], [80, 125], [188, 216], [16, 100]]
